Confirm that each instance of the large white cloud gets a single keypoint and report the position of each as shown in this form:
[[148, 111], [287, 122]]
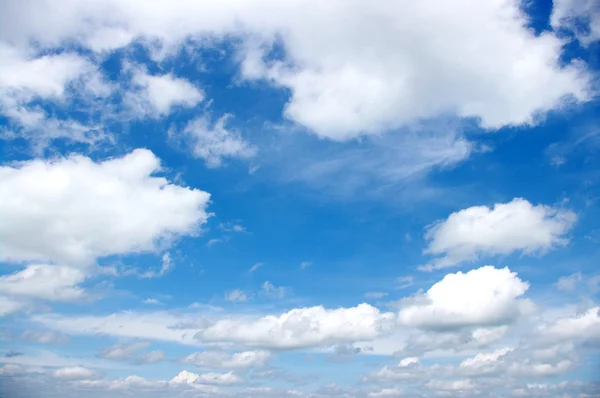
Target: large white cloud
[[302, 327], [484, 296], [74, 210], [352, 67], [503, 229]]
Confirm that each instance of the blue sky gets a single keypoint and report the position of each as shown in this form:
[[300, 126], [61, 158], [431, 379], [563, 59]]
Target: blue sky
[[303, 199]]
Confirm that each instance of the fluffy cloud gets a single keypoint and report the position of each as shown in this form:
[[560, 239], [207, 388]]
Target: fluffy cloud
[[157, 95], [224, 360], [75, 373], [222, 379], [55, 283], [484, 296], [78, 210], [303, 327], [364, 74], [585, 325], [507, 227], [581, 16], [214, 141]]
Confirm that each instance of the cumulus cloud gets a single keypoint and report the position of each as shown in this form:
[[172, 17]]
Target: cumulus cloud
[[157, 95], [223, 379], [78, 210], [225, 360], [214, 141], [54, 283], [584, 325], [503, 229], [365, 74], [484, 296], [27, 78], [301, 328]]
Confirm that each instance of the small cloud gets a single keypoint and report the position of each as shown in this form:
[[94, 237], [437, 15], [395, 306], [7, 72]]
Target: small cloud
[[407, 237], [569, 283], [213, 242], [375, 295], [166, 266], [269, 290], [232, 227], [405, 282], [305, 264], [256, 266], [238, 228], [558, 160], [152, 301], [236, 295]]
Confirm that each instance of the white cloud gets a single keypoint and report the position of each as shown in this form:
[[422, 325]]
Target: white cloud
[[305, 264], [152, 301], [507, 227], [365, 73], [75, 373], [569, 283], [152, 357], [256, 267], [484, 362], [214, 141], [386, 392], [8, 306], [301, 328], [484, 296], [165, 267], [78, 210], [46, 76], [44, 336], [223, 379], [236, 295], [375, 295], [456, 385], [270, 290], [583, 325], [157, 95], [581, 16], [123, 351], [157, 325], [55, 283], [224, 360]]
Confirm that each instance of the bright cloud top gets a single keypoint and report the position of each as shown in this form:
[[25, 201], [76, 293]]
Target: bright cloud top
[[503, 229], [78, 210], [365, 74]]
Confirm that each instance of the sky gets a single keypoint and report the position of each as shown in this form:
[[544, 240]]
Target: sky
[[303, 199]]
